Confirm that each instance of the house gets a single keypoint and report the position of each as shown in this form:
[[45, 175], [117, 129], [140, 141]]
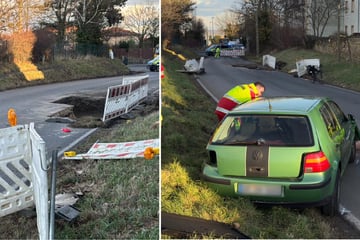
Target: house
[[345, 16], [351, 17], [114, 35]]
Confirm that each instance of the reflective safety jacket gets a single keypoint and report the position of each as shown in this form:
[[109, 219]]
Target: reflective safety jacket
[[238, 95]]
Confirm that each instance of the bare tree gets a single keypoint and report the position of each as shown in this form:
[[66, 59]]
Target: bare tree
[[318, 14], [229, 23], [175, 14], [143, 20], [64, 13], [20, 15], [7, 9]]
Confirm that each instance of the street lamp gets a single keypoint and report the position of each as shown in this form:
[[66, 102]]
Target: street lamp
[[212, 26]]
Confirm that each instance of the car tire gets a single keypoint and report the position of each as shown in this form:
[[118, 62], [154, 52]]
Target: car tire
[[332, 207], [353, 153]]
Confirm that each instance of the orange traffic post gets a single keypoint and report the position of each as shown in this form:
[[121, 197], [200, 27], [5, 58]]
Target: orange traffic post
[[150, 152], [12, 119]]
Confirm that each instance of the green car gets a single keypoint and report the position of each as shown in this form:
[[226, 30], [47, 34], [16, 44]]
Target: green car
[[284, 150]]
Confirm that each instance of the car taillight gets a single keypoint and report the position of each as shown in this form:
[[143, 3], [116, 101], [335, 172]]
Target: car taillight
[[162, 72], [316, 162], [212, 158]]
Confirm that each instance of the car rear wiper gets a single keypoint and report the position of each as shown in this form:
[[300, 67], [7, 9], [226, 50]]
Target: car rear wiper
[[241, 143], [260, 141]]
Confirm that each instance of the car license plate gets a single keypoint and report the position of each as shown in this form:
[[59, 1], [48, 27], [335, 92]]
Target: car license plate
[[260, 190]]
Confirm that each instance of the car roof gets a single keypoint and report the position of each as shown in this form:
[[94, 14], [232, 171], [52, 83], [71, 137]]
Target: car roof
[[287, 104]]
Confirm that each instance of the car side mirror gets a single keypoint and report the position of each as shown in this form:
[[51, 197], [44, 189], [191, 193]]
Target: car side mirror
[[351, 117]]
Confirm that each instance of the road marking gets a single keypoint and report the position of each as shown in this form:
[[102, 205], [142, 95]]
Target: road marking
[[348, 216]]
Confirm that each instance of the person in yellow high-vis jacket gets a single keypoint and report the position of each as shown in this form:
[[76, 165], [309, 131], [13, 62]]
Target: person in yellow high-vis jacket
[[238, 95], [217, 52]]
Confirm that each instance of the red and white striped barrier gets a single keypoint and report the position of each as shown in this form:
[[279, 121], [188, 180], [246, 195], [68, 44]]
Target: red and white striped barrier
[[125, 150], [232, 53], [122, 98]]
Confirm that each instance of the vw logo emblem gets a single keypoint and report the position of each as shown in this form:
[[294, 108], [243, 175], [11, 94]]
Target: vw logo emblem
[[257, 155]]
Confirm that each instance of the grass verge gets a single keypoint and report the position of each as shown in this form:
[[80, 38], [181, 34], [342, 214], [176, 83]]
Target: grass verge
[[188, 121], [63, 70], [117, 198], [340, 73]]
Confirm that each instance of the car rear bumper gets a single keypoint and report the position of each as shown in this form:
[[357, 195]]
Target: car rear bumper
[[309, 191]]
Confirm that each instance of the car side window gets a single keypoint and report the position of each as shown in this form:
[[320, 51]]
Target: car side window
[[329, 119], [338, 113]]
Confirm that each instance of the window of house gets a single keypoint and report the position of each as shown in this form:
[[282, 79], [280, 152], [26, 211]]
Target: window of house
[[352, 29], [346, 30], [352, 5], [346, 7]]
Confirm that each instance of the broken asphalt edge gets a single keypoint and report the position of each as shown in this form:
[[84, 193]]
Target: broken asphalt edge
[[77, 141]]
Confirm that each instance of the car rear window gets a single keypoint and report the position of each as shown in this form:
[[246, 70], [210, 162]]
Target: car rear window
[[273, 130]]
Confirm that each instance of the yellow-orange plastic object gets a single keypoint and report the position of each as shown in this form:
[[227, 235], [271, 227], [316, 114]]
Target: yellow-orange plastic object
[[70, 154], [12, 119], [150, 152]]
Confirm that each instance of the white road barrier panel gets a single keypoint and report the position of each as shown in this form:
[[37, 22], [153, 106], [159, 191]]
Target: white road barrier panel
[[232, 53], [301, 65], [40, 182], [270, 61], [23, 177], [16, 189], [122, 98], [125, 150]]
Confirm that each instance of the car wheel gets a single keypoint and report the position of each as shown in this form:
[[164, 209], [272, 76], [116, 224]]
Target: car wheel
[[353, 153], [333, 206]]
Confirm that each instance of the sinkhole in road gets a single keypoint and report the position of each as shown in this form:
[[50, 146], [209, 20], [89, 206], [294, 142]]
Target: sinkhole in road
[[83, 111], [86, 111]]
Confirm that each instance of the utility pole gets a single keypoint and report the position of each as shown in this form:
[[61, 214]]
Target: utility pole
[[212, 26], [338, 32], [257, 28]]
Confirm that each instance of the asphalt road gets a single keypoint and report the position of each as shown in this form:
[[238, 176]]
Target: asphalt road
[[221, 75], [35, 104]]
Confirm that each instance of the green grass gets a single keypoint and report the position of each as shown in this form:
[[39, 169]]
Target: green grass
[[61, 70], [343, 74], [188, 121], [120, 197]]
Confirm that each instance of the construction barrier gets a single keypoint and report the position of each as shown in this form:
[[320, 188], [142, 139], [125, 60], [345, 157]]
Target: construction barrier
[[122, 98], [125, 150], [302, 64], [269, 60], [23, 177], [232, 53]]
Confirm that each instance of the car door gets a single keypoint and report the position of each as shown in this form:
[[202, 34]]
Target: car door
[[346, 126], [334, 147]]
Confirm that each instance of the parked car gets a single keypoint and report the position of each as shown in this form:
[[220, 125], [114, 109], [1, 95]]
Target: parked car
[[153, 65], [283, 150], [238, 46], [210, 51]]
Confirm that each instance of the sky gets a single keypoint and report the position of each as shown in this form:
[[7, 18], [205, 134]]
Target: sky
[[139, 2], [208, 10]]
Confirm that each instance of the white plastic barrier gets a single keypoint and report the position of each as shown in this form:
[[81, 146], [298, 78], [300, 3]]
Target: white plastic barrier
[[192, 65], [125, 150], [23, 174], [270, 61], [301, 65], [40, 182], [16, 188], [232, 53], [122, 98]]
